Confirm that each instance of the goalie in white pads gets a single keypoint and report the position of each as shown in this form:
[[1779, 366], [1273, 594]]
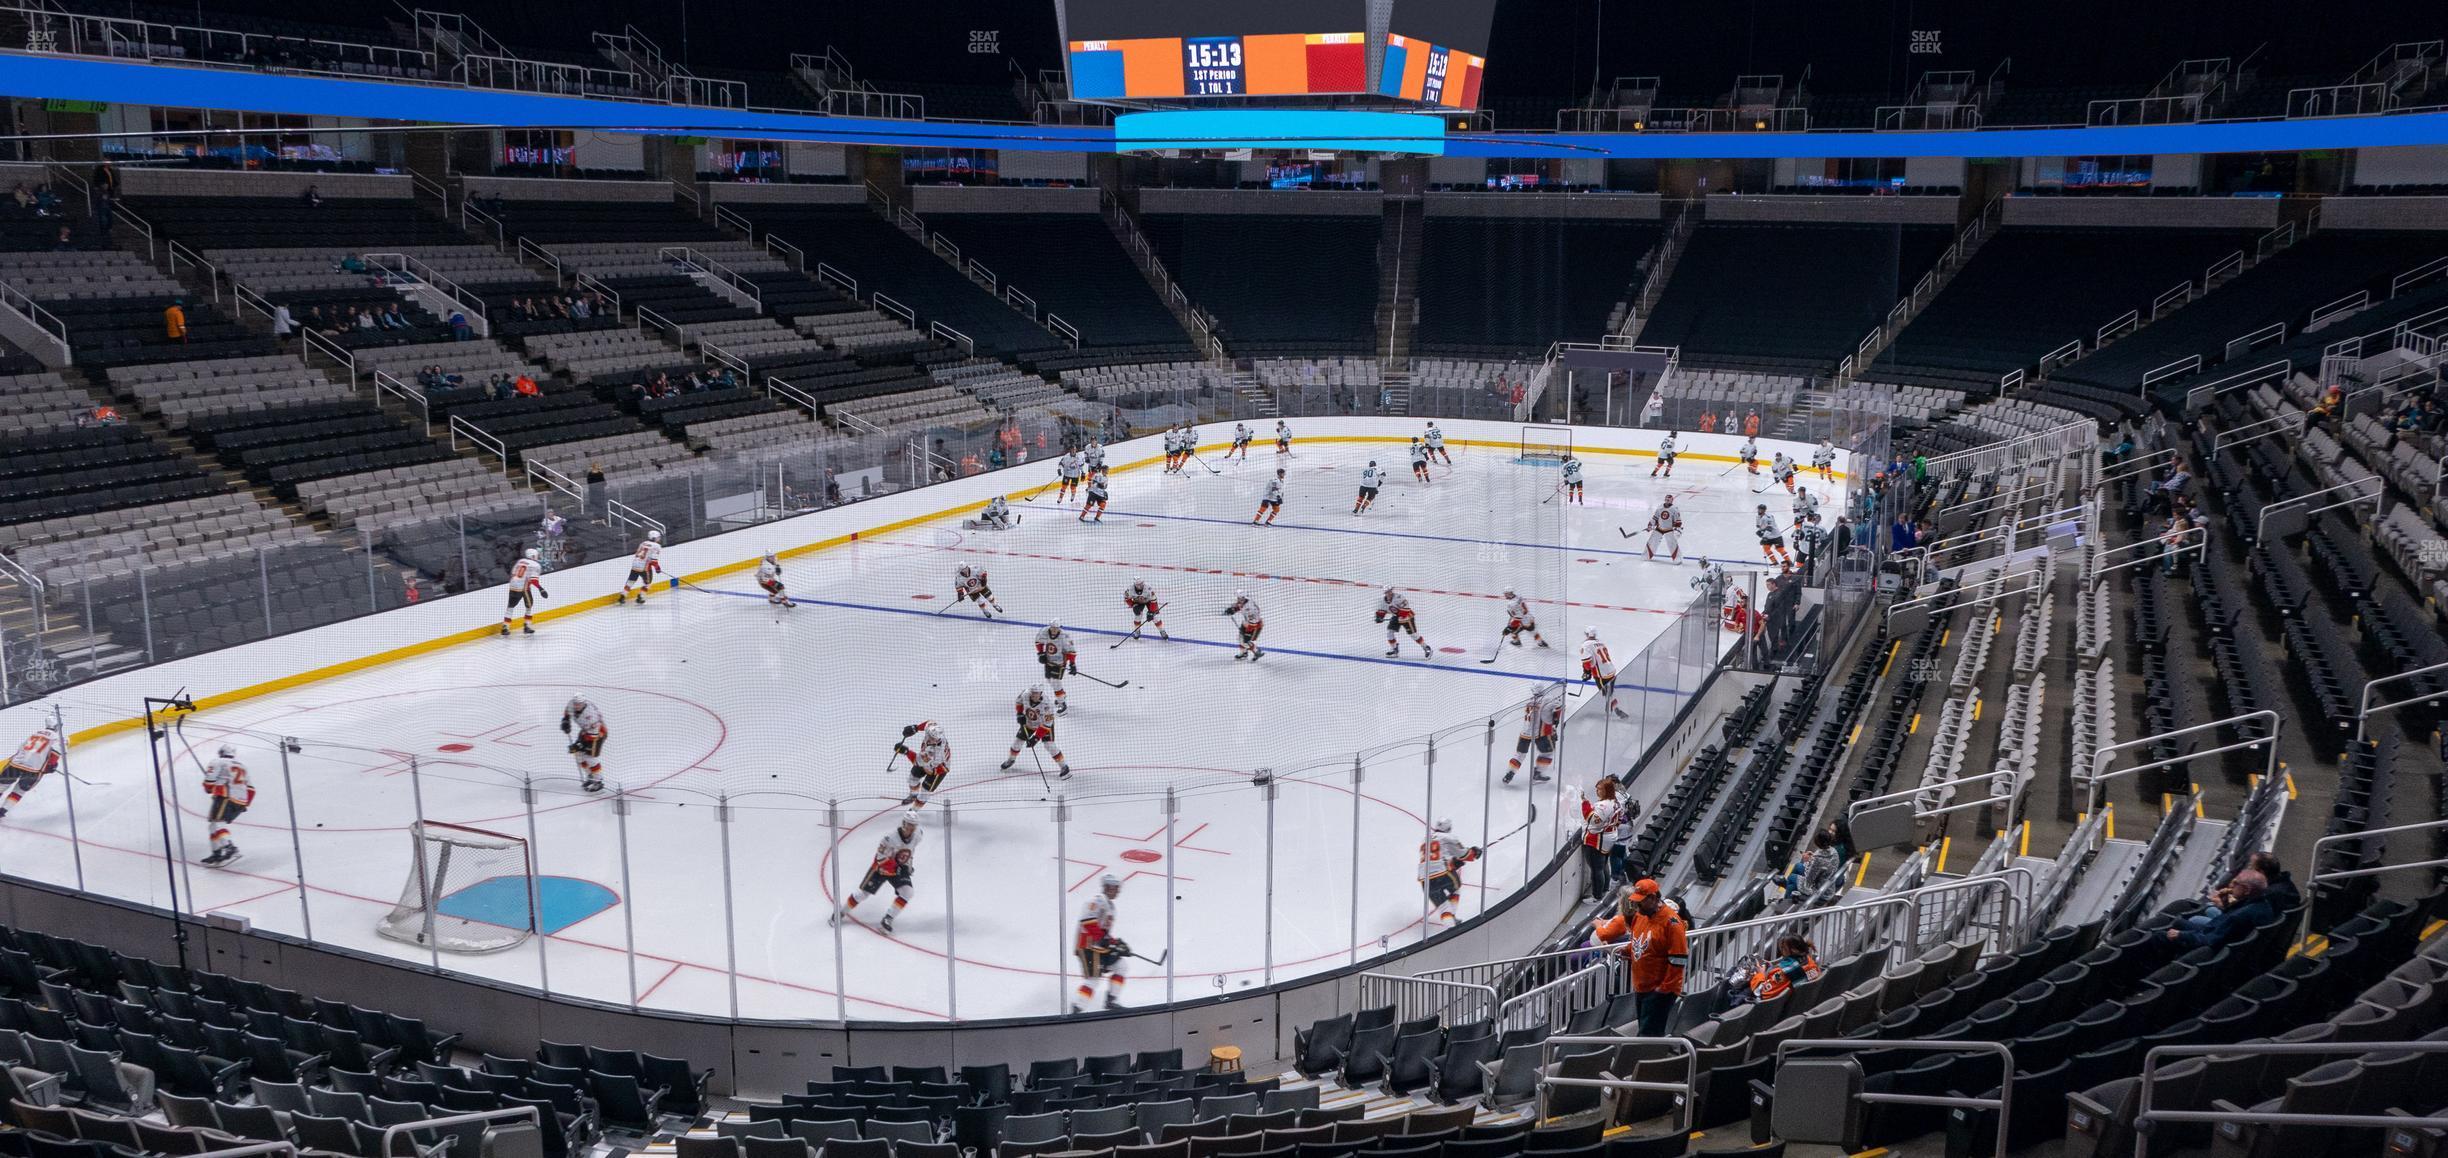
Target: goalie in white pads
[[1394, 610], [1145, 610], [1034, 712], [644, 564], [1056, 658], [1442, 856], [1245, 617], [1666, 530], [969, 583], [930, 761], [583, 723], [998, 514], [1518, 620], [225, 784], [1542, 719], [769, 579], [896, 859], [1100, 952], [1598, 667]]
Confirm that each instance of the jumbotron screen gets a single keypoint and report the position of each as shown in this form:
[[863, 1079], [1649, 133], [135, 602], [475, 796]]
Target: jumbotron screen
[[1436, 52], [1128, 49]]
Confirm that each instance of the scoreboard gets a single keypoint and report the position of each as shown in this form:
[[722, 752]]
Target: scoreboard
[[1436, 74], [1127, 49]]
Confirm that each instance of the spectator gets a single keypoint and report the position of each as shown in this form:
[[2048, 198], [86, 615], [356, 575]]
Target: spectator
[[65, 241], [408, 586], [393, 319], [460, 330], [526, 386], [105, 179], [594, 484], [2167, 491], [580, 310], [1599, 815], [365, 319], [46, 202], [2237, 910], [352, 263], [314, 196], [1657, 951], [1751, 424], [174, 321], [1794, 964], [1814, 866], [1900, 536], [23, 196], [283, 325], [2282, 894], [501, 388]]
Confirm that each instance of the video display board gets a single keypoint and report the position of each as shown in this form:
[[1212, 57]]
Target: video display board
[[1133, 49]]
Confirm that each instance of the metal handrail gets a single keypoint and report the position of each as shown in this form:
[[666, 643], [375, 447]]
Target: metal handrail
[[50, 323], [530, 251], [690, 256], [908, 316], [828, 275], [2099, 773], [212, 273], [313, 342], [621, 512], [27, 579], [394, 1131], [2291, 502], [2365, 709], [2145, 1117], [647, 317], [468, 209], [1685, 1105], [460, 427], [387, 383], [558, 480], [775, 385], [2003, 1103]]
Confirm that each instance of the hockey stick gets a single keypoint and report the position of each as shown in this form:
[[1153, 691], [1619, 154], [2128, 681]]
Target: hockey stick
[[1158, 959], [1093, 679], [1041, 776], [1203, 462], [1499, 649]]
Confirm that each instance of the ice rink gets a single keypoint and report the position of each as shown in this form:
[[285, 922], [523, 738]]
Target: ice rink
[[751, 746]]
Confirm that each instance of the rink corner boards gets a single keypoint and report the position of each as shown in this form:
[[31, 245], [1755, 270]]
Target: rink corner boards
[[488, 629]]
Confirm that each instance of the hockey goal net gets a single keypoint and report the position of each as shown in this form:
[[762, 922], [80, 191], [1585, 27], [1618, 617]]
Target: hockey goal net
[[468, 891], [1546, 443]]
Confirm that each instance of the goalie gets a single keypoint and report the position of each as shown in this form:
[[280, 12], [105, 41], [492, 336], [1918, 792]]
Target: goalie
[[1100, 953], [996, 517], [1440, 870]]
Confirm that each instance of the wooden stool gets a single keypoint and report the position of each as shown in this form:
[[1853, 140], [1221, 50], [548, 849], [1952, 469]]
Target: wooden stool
[[1224, 1059]]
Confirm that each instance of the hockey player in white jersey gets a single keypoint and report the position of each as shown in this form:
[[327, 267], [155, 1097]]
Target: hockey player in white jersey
[[1070, 468], [1666, 530], [895, 862], [1270, 504], [38, 757], [526, 582], [1248, 623], [1782, 469], [1572, 481], [930, 761], [583, 723], [1099, 951], [1542, 719], [1145, 610], [1518, 620], [226, 787], [1419, 460], [1749, 452], [1240, 443], [1665, 456], [1034, 712], [1598, 667], [1056, 658], [1805, 504], [769, 579], [1823, 460], [1442, 856], [1098, 491], [644, 564], [969, 583], [1370, 479], [1394, 610], [1435, 440], [1771, 540], [996, 517], [1095, 456], [1283, 437]]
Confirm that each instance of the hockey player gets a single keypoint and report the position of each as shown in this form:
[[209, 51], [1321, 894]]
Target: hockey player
[[1436, 445], [1145, 610], [1070, 468], [1666, 528], [644, 564], [583, 723], [225, 783], [1771, 540], [1541, 718], [769, 577], [1737, 609], [996, 517], [38, 757], [1782, 470], [1810, 536], [1172, 449], [1100, 953], [1665, 456], [1370, 478], [1283, 437], [930, 761], [1419, 460], [1572, 481], [1518, 620], [1098, 490], [1270, 504], [1056, 657], [896, 856], [1096, 457], [1823, 460], [1750, 455], [970, 583], [1599, 668], [1245, 617], [1805, 504], [1395, 612], [1440, 870], [1711, 580], [526, 582], [1034, 712], [1240, 442]]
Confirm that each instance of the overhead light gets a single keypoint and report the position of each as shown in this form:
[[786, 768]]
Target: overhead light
[[1759, 124]]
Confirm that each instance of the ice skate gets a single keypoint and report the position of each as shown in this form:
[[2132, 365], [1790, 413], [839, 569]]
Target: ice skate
[[886, 923], [524, 629], [1062, 771], [593, 784], [1008, 762], [1112, 1003]]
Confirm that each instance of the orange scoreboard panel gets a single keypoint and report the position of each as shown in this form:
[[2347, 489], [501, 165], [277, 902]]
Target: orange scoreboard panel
[[1435, 74], [1266, 64]]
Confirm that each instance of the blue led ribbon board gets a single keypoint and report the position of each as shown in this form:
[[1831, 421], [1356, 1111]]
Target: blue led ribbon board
[[1347, 131]]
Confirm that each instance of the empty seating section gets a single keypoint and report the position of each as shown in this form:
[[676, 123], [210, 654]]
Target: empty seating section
[[1510, 287], [1074, 267], [1467, 389], [1787, 298], [2029, 291], [1237, 267], [114, 307], [85, 470], [339, 225], [2283, 289], [185, 392], [1322, 385], [39, 399], [882, 259]]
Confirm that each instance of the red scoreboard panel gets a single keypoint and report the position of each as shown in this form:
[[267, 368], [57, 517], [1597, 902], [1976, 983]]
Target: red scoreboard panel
[[1436, 74], [1263, 64]]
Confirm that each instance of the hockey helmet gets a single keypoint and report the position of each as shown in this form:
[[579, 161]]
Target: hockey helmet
[[1508, 593], [1444, 825], [1036, 693], [909, 819], [934, 731], [1240, 592], [1763, 508], [769, 557], [532, 553], [1053, 629], [1111, 884], [965, 572], [1589, 633], [654, 536], [1668, 501], [228, 751]]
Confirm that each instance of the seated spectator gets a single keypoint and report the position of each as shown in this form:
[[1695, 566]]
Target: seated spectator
[[452, 379], [365, 319], [393, 319], [2282, 894], [23, 196], [580, 310], [501, 388], [65, 241], [526, 386], [2167, 491], [314, 196], [352, 264], [2237, 909], [1795, 962]]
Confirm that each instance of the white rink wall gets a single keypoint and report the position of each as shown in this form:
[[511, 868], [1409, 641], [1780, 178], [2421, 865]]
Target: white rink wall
[[115, 702]]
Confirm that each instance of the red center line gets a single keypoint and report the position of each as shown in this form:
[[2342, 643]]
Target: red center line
[[1268, 576]]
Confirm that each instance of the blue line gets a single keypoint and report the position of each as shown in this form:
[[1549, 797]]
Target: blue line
[[1751, 564], [1620, 687]]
